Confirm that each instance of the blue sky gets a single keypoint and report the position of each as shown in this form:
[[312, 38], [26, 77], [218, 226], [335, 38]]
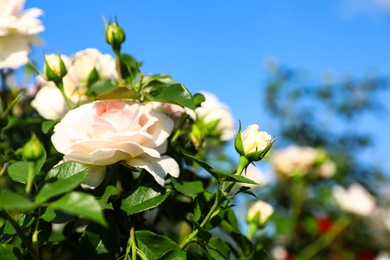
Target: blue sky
[[220, 45]]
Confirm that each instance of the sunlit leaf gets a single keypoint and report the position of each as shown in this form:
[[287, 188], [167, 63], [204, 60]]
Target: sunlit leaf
[[81, 204], [59, 186], [144, 198], [175, 94], [158, 247]]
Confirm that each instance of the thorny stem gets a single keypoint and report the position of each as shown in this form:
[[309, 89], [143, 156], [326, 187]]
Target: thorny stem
[[19, 231], [219, 198]]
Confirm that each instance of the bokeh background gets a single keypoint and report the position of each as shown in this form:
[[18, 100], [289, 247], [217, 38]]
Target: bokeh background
[[223, 47]]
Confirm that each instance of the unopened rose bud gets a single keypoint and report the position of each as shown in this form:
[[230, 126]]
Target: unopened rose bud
[[253, 143], [55, 68], [115, 36], [32, 150]]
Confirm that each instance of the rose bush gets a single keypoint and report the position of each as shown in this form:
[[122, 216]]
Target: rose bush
[[106, 132]]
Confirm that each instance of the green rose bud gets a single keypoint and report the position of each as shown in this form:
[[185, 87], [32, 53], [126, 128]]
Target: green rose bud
[[33, 149], [55, 68], [115, 36], [253, 143]]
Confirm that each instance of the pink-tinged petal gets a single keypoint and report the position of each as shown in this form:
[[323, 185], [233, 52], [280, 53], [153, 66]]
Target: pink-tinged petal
[[100, 157]]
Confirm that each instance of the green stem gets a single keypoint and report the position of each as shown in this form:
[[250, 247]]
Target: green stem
[[323, 241], [30, 177], [34, 238], [252, 228], [133, 244], [118, 68], [298, 196], [19, 231], [218, 200], [60, 86], [243, 162]]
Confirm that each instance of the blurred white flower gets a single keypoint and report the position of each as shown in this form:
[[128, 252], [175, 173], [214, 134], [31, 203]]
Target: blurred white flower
[[18, 30], [278, 253], [355, 199], [259, 213], [293, 160], [212, 111], [382, 256], [327, 169]]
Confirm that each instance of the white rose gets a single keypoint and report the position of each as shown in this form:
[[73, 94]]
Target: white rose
[[294, 160], [259, 212], [17, 32], [49, 102], [83, 62], [212, 110], [355, 199], [105, 132], [79, 67]]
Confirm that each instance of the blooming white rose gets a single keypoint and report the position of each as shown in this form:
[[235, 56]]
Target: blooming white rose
[[212, 110], [105, 132], [18, 30], [259, 212], [294, 160], [355, 199], [79, 67]]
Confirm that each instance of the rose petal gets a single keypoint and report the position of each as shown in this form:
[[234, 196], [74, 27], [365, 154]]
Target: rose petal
[[158, 168]]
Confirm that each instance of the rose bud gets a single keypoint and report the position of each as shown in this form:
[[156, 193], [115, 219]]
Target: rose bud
[[115, 36], [253, 143], [32, 150]]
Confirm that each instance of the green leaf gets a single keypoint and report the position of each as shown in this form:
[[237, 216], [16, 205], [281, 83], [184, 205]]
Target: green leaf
[[10, 200], [156, 79], [108, 193], [144, 198], [188, 188], [243, 242], [66, 170], [119, 93], [175, 94], [18, 171], [236, 178], [79, 203], [218, 248], [48, 125], [97, 242], [101, 87], [57, 187], [158, 247], [129, 68], [9, 252]]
